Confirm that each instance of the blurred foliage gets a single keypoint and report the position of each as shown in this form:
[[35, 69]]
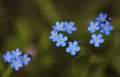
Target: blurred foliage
[[26, 24]]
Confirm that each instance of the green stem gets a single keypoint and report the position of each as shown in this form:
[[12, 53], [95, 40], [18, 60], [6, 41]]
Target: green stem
[[7, 72]]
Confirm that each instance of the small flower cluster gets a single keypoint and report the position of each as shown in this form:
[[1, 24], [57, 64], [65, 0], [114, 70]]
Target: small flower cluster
[[102, 25], [60, 40], [16, 58]]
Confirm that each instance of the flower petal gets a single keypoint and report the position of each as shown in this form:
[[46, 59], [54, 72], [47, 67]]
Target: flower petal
[[75, 43], [74, 28], [94, 36], [107, 32], [91, 23], [110, 27], [57, 44], [91, 41], [97, 44], [99, 35], [73, 53], [77, 48], [72, 23], [68, 49]]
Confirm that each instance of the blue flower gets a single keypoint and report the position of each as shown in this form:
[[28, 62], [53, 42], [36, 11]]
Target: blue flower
[[106, 28], [17, 63], [26, 59], [61, 40], [93, 26], [96, 40], [53, 36], [16, 53], [7, 57], [59, 26], [69, 27], [73, 48], [102, 17]]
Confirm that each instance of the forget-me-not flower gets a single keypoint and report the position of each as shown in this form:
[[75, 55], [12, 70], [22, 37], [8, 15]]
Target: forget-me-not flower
[[59, 26], [102, 17], [73, 48], [69, 27], [96, 40], [17, 63], [54, 35], [106, 28], [26, 59], [7, 57], [93, 26], [61, 40], [16, 53]]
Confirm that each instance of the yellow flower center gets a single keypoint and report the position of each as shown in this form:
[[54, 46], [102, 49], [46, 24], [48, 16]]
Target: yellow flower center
[[94, 27], [61, 40], [55, 35], [101, 19], [59, 27]]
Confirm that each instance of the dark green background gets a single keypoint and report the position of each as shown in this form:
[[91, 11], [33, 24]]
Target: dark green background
[[26, 24]]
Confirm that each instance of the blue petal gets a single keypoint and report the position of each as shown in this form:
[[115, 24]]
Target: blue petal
[[66, 24], [97, 28], [57, 23], [97, 44], [107, 32], [73, 53], [74, 28], [70, 44], [16, 68], [58, 44], [110, 27], [91, 23], [61, 35], [97, 18], [99, 35], [69, 31], [89, 28], [101, 14], [93, 30], [107, 23], [102, 25], [63, 44], [93, 35], [91, 41], [102, 30], [77, 48], [105, 16], [65, 38], [96, 23], [72, 23], [68, 49], [101, 40], [75, 43]]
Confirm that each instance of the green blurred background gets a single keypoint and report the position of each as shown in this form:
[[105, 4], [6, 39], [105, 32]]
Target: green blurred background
[[26, 24]]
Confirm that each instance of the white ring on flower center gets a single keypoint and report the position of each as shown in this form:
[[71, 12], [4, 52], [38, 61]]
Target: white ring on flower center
[[73, 47], [59, 27], [69, 27], [94, 27], [61, 40], [106, 27], [97, 39], [16, 63]]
